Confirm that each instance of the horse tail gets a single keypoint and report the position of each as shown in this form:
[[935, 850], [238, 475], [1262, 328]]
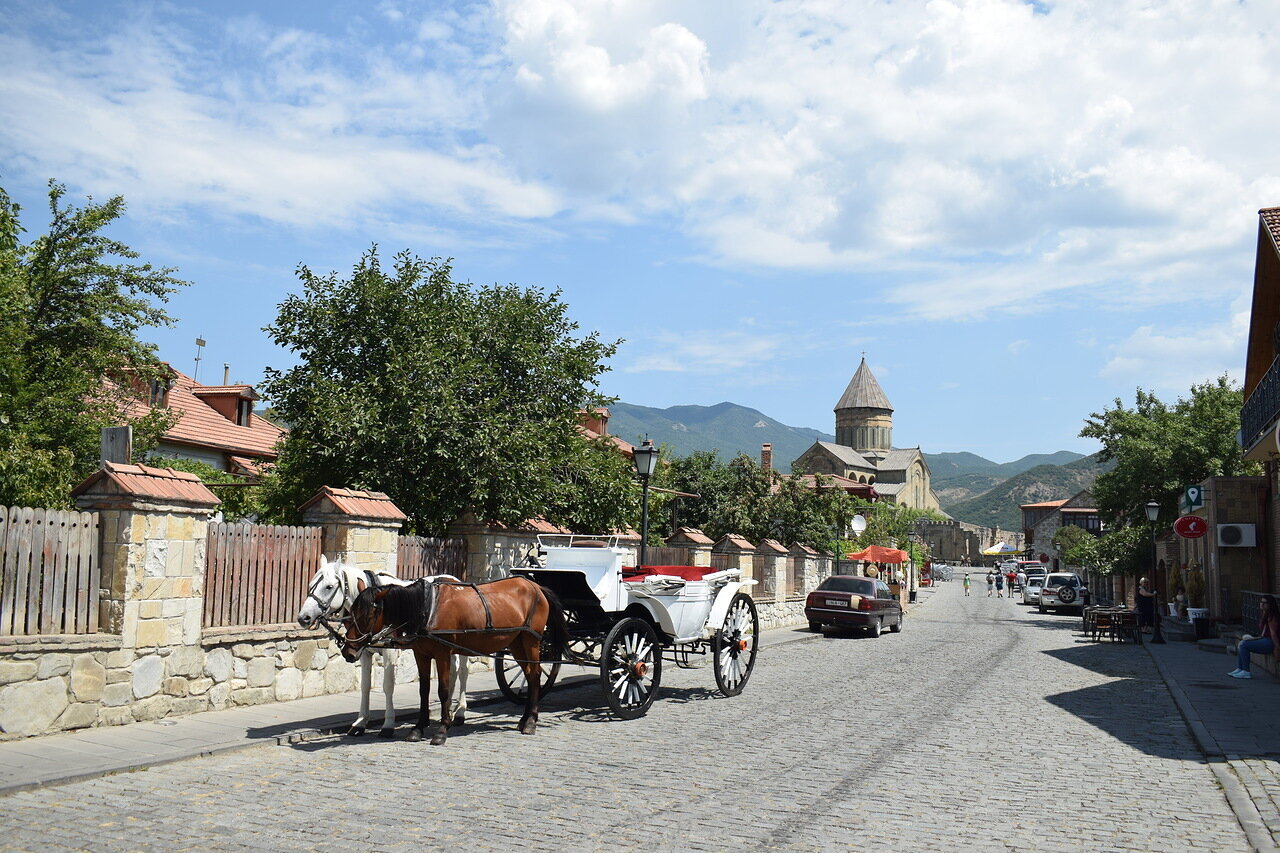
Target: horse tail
[[556, 634]]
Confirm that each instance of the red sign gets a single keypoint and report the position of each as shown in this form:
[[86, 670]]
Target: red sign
[[1191, 527]]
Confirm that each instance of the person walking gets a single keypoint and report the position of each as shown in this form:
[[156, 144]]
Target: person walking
[[1267, 644], [966, 583], [990, 584], [999, 585]]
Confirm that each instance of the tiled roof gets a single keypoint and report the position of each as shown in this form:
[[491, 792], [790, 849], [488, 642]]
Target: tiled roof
[[800, 548], [733, 540], [771, 545], [256, 467], [1045, 504], [1271, 220], [847, 455], [1079, 509], [864, 392], [690, 534], [810, 480], [199, 425], [890, 489], [143, 482], [357, 503], [899, 459], [623, 446], [224, 391]]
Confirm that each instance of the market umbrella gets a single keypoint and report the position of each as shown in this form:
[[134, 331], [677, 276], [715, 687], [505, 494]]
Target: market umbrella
[[1000, 549], [878, 554]]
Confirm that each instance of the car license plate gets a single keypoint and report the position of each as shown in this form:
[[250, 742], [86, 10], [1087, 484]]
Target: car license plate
[[836, 602]]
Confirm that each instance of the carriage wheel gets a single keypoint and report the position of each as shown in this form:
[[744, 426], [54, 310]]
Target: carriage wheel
[[630, 668], [511, 680], [734, 646]]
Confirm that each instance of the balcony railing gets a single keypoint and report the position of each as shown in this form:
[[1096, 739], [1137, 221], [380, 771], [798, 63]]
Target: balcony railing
[[1262, 407]]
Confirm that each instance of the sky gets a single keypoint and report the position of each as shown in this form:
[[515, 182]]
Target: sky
[[1019, 211]]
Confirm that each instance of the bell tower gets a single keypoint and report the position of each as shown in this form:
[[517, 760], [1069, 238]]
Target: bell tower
[[864, 416]]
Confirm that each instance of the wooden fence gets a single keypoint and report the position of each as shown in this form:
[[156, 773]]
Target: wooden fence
[[48, 571], [667, 556], [424, 556], [258, 574]]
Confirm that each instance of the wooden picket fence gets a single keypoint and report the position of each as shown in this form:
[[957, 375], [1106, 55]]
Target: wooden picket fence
[[257, 574], [423, 556], [49, 571]]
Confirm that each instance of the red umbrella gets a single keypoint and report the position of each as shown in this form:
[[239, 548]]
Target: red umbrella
[[878, 554]]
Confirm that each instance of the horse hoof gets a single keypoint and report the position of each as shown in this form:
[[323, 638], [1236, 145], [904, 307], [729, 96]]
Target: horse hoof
[[415, 735], [459, 720], [355, 731], [529, 728], [437, 738], [387, 733]]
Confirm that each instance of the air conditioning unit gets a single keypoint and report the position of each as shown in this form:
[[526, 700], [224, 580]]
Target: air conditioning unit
[[1237, 536]]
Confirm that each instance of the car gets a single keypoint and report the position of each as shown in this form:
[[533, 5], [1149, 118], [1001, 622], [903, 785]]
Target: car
[[853, 601], [1030, 567], [1031, 590], [1063, 591]]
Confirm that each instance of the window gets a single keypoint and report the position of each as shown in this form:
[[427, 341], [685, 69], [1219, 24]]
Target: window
[[159, 394], [244, 408]]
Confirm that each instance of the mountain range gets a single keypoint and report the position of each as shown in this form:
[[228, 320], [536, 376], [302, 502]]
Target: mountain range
[[969, 487]]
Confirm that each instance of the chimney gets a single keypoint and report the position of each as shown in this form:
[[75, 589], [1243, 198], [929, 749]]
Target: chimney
[[226, 373], [766, 456]]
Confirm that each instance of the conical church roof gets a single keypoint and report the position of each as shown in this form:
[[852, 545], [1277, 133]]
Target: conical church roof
[[864, 392]]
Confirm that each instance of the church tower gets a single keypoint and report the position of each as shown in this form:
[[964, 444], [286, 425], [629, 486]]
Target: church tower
[[864, 417]]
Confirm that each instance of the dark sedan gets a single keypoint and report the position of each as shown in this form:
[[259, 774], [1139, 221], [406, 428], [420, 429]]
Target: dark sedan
[[853, 601]]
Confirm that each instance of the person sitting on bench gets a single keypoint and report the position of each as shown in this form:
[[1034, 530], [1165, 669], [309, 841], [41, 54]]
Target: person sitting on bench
[[1269, 619]]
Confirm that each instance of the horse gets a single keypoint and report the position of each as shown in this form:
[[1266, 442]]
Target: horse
[[330, 594], [435, 620]]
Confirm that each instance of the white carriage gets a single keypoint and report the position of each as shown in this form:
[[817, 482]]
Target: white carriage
[[627, 620]]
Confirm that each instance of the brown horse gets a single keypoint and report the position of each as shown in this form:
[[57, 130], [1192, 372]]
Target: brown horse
[[441, 619]]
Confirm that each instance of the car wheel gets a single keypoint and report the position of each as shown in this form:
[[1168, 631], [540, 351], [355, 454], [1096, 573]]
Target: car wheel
[[897, 626], [875, 627], [815, 627]]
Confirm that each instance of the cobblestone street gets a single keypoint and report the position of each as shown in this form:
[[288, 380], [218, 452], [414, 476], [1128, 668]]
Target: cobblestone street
[[982, 726]]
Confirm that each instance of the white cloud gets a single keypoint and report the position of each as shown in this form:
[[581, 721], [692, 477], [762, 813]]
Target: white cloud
[[709, 351], [1172, 360], [1018, 347]]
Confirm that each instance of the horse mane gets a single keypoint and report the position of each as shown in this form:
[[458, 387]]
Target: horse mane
[[409, 606]]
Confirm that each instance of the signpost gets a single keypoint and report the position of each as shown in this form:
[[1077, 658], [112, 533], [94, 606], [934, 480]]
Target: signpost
[[1192, 498], [1191, 527]]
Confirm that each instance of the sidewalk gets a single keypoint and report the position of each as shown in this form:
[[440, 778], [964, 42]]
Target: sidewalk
[[84, 754], [1237, 726]]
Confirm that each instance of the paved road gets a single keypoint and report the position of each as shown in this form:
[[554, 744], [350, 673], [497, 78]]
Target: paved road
[[917, 740]]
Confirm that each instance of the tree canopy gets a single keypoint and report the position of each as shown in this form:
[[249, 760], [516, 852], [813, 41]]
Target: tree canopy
[[449, 397], [72, 304]]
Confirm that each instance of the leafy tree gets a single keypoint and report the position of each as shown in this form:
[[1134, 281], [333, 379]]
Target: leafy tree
[[448, 397], [72, 304], [240, 500], [1158, 450], [1078, 547]]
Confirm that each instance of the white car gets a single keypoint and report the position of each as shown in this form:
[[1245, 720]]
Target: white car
[[1063, 591], [1031, 590]]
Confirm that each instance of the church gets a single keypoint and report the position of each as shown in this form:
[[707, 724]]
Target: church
[[863, 451]]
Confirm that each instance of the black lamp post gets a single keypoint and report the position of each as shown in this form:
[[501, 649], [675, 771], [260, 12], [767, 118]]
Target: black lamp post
[[646, 459], [1153, 512]]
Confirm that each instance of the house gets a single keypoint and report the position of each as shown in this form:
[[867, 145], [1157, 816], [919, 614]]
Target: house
[[1041, 521], [863, 452], [216, 424]]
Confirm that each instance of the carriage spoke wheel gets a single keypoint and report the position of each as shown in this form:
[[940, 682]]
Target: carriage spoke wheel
[[511, 680], [734, 645], [630, 668]]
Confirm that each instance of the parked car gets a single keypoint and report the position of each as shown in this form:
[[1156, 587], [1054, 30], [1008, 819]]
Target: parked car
[[1031, 567], [853, 601], [1031, 590], [1063, 591]]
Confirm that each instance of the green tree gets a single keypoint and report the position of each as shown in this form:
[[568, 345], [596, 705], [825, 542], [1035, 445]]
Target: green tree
[[72, 304], [1158, 450], [1078, 547], [448, 397], [241, 499]]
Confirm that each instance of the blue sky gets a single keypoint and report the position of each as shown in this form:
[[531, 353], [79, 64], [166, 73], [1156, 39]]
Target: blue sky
[[1018, 211]]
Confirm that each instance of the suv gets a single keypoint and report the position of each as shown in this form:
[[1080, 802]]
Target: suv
[[1030, 568], [1063, 591]]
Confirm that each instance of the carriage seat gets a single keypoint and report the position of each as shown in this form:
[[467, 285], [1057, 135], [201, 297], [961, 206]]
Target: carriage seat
[[688, 573]]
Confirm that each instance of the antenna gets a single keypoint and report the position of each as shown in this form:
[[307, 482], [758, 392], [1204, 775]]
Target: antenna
[[199, 346]]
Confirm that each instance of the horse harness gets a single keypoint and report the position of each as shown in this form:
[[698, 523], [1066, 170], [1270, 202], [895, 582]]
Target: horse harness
[[372, 579]]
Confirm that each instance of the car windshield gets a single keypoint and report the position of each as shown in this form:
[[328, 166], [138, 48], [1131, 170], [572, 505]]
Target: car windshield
[[1063, 580], [1035, 581], [840, 583]]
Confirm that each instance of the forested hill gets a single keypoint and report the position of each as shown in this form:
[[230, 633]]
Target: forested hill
[[727, 428], [999, 506]]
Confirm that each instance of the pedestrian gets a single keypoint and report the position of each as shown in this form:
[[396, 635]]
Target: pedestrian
[[1011, 578], [966, 583], [1269, 619], [1146, 605], [990, 583], [999, 585], [1022, 579]]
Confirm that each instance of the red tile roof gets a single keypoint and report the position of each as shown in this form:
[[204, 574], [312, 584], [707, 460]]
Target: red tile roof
[[1044, 504], [690, 534], [357, 503], [735, 541], [199, 425], [771, 545], [1271, 219], [144, 482]]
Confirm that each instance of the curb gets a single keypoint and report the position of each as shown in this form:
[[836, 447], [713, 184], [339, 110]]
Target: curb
[[1242, 805]]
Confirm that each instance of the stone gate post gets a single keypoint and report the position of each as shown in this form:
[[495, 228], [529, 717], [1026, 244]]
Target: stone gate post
[[361, 528], [696, 542]]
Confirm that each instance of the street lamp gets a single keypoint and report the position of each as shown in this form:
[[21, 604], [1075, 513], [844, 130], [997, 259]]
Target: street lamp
[[1153, 512], [646, 459]]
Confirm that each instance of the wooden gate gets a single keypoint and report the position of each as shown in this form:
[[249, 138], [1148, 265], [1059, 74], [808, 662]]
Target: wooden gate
[[257, 574], [48, 571], [424, 556], [762, 570], [666, 556]]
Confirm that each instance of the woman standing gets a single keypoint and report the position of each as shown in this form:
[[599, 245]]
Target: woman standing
[[1269, 617], [1146, 603]]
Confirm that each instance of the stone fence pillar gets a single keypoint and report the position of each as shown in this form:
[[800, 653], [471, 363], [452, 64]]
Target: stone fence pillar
[[696, 542], [361, 528], [773, 577], [804, 570], [739, 552]]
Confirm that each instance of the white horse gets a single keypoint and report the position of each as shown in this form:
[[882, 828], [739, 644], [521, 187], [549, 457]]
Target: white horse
[[330, 595]]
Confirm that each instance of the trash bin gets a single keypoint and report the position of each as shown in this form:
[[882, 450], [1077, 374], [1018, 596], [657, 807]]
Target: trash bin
[[1204, 628], [911, 597]]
